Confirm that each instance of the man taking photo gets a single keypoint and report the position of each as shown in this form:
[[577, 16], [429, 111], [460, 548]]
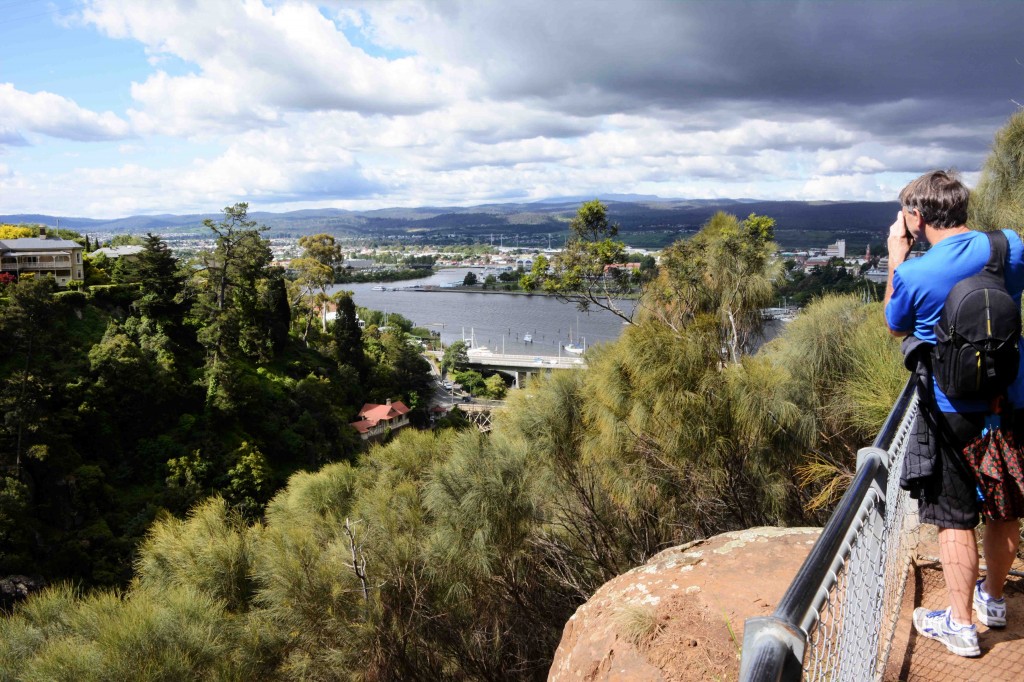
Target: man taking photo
[[934, 210]]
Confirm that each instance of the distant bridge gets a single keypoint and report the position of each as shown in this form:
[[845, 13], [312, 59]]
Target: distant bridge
[[523, 364], [479, 414]]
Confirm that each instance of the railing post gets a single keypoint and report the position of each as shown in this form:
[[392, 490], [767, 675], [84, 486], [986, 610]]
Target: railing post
[[773, 651]]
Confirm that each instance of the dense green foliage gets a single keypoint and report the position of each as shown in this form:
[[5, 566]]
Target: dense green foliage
[[439, 555], [585, 272], [455, 357], [173, 381], [451, 555]]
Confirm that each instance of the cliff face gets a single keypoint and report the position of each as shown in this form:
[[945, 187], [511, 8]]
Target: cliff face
[[680, 616]]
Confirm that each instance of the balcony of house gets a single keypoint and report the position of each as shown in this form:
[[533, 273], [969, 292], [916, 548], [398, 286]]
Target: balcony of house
[[64, 267], [37, 262]]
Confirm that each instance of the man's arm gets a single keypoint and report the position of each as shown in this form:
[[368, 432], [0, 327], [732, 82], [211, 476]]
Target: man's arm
[[900, 242]]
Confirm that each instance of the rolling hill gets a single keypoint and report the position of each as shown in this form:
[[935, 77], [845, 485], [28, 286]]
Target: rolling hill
[[644, 221]]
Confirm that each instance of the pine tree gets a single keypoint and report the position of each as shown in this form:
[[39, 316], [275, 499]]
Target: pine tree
[[348, 337], [160, 281]]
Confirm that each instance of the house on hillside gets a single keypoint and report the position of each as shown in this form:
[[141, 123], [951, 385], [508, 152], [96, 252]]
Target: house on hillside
[[61, 258], [375, 420], [612, 268], [328, 312], [128, 251]]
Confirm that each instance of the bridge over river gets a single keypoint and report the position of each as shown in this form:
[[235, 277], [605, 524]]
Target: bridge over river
[[522, 364]]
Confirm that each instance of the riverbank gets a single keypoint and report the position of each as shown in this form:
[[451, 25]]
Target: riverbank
[[492, 320], [479, 290], [513, 292], [377, 277]]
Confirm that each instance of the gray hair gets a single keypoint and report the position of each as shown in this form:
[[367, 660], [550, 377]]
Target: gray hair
[[940, 198]]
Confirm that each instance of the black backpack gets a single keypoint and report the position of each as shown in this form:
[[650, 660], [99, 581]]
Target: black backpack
[[976, 355]]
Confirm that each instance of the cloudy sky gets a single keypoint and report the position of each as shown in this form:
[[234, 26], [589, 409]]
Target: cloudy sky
[[116, 107]]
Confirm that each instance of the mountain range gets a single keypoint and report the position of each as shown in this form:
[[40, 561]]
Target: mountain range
[[644, 221]]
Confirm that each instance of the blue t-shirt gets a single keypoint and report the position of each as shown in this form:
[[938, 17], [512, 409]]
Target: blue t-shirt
[[920, 286]]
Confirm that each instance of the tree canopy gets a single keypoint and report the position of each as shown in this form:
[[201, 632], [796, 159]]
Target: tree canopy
[[452, 554], [592, 269], [455, 357]]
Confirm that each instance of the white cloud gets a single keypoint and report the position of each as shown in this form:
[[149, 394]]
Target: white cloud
[[253, 62], [366, 104], [849, 186], [56, 116]]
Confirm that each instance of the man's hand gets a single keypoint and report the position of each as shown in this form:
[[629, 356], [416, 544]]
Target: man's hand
[[900, 241]]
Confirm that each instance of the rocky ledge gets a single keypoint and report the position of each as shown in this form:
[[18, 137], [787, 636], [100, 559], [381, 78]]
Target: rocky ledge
[[680, 616]]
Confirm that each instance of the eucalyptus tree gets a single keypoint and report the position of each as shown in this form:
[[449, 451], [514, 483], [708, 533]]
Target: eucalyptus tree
[[455, 357], [586, 272], [228, 309], [532, 280], [316, 270], [724, 275], [674, 432]]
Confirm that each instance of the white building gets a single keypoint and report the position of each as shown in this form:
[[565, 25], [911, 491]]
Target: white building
[[837, 250]]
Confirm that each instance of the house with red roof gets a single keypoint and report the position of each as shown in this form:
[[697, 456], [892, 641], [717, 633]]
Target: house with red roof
[[374, 420], [628, 267]]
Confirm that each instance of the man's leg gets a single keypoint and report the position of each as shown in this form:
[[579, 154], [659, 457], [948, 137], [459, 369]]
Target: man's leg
[[958, 551], [1000, 543]]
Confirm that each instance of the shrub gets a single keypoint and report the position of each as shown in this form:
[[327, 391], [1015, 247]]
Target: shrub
[[72, 299]]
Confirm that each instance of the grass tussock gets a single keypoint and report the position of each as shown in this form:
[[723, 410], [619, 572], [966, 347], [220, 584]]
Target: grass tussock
[[638, 624]]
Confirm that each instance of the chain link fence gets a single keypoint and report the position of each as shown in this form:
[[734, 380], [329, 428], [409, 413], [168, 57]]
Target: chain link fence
[[838, 618]]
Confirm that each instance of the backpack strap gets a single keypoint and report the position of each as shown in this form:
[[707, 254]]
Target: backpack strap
[[999, 248]]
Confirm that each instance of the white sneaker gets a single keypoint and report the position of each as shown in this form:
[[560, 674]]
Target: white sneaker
[[991, 612], [961, 640]]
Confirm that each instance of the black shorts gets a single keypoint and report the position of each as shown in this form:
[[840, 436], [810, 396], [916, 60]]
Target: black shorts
[[953, 503]]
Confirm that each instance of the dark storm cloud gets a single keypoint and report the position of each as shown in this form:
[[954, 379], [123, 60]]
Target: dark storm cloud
[[887, 68]]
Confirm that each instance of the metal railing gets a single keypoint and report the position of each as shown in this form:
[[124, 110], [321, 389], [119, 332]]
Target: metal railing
[[838, 617]]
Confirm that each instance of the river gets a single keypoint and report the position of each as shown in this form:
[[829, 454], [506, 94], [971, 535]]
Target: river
[[497, 321]]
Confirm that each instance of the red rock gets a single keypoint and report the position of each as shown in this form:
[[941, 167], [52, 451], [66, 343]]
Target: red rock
[[680, 616]]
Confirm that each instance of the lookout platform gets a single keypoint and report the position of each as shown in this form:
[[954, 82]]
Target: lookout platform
[[915, 658]]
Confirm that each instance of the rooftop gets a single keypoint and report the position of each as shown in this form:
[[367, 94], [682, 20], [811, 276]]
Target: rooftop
[[37, 244]]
